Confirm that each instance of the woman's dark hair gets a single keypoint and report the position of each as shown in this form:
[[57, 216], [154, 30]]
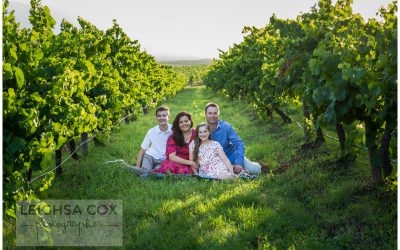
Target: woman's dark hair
[[177, 134], [197, 141]]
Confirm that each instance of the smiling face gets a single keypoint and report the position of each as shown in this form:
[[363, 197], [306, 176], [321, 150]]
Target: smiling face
[[162, 118], [185, 124], [212, 115], [204, 133]]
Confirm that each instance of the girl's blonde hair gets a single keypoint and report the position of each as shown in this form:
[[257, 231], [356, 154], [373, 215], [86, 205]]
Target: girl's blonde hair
[[197, 141]]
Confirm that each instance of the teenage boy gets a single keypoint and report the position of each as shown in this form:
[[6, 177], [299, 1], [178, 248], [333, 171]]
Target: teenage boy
[[152, 150], [232, 144]]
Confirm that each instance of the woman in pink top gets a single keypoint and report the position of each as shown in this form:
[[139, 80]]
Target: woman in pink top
[[177, 151]]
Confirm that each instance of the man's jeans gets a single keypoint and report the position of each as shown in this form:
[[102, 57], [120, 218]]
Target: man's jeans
[[252, 167], [148, 163]]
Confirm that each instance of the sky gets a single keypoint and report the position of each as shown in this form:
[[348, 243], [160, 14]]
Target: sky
[[185, 28]]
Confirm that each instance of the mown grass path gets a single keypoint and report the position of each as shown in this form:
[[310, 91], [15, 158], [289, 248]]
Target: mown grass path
[[314, 204]]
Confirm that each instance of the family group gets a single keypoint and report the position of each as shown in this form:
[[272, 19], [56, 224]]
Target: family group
[[212, 150]]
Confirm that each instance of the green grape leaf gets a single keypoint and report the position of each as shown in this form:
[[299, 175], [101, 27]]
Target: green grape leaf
[[47, 159], [38, 55], [60, 141], [35, 96], [90, 67], [13, 54], [17, 144], [11, 212], [322, 95], [7, 71], [19, 75], [50, 20], [314, 66], [11, 94], [320, 52], [339, 91], [375, 90], [329, 117]]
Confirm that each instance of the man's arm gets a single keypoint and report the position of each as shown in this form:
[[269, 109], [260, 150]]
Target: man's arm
[[143, 147], [239, 146], [139, 157]]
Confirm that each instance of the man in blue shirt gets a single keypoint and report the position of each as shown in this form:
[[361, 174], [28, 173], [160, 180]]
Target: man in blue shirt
[[232, 144]]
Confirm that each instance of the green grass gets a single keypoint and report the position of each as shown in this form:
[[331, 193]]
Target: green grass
[[315, 203]]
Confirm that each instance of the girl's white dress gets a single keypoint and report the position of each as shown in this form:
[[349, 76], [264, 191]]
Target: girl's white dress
[[210, 162]]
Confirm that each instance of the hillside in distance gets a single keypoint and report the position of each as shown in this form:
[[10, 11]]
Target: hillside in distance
[[184, 61]]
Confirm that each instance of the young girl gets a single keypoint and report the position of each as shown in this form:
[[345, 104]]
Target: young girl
[[209, 155]]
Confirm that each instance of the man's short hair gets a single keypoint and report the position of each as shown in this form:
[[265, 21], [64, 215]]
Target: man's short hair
[[211, 104], [162, 108]]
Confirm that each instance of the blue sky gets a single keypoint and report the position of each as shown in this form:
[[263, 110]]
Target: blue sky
[[186, 28]]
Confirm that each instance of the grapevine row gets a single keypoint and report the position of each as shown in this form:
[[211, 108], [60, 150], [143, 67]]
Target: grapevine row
[[58, 87], [339, 68]]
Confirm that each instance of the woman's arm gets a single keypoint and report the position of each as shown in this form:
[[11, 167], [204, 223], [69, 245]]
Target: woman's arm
[[170, 151], [174, 158], [194, 167]]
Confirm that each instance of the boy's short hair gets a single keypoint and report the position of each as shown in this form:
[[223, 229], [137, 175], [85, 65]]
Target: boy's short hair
[[162, 108], [211, 104]]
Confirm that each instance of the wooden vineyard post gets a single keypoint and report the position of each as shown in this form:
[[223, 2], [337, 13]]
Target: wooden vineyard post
[[58, 162], [84, 139]]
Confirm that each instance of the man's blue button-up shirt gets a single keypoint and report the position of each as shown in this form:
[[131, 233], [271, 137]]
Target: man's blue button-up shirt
[[230, 141]]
